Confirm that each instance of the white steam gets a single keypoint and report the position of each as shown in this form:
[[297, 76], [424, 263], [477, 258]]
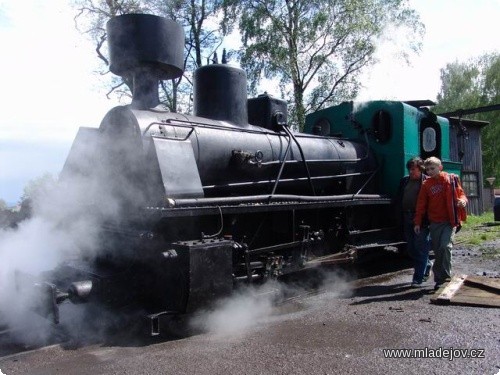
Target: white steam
[[64, 225], [237, 314], [252, 307], [56, 232]]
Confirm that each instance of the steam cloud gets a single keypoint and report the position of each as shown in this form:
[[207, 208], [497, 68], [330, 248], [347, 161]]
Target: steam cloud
[[252, 307], [64, 225], [236, 314]]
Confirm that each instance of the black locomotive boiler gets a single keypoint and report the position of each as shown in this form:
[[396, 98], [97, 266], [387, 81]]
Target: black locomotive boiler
[[203, 202]]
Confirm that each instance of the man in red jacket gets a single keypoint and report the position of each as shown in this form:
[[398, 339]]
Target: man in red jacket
[[444, 201]]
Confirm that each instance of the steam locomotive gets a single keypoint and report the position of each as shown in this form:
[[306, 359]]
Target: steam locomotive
[[201, 203]]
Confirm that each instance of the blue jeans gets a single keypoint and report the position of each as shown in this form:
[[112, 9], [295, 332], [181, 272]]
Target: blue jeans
[[418, 247]]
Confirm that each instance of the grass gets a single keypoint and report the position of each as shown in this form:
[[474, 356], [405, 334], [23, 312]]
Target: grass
[[479, 230]]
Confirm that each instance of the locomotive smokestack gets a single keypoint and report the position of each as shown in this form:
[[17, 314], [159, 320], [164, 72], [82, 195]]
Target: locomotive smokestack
[[145, 49]]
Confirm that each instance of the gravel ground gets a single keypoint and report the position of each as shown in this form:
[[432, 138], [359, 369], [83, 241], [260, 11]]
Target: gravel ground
[[342, 329]]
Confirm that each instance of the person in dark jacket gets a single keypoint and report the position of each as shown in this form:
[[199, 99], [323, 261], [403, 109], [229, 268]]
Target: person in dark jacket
[[418, 244]]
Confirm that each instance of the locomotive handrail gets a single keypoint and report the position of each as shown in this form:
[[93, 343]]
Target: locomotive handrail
[[372, 174], [281, 167], [266, 163], [212, 126], [207, 236], [171, 138], [285, 128], [240, 184]]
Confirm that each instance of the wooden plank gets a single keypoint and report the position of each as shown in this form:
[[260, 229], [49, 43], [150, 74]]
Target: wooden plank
[[484, 283], [445, 294], [479, 291], [473, 292], [476, 301]]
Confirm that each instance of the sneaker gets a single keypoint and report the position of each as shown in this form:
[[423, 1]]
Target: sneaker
[[438, 285], [416, 285]]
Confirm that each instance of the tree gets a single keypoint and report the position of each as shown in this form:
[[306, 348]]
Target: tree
[[5, 215], [205, 23], [317, 48], [91, 20], [38, 187], [472, 84]]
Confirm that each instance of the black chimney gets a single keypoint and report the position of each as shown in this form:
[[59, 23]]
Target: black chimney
[[145, 49]]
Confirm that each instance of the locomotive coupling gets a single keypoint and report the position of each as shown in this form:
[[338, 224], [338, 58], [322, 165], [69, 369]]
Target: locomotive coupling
[[48, 298], [45, 297]]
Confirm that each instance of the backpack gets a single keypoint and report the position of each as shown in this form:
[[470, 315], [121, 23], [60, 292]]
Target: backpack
[[459, 213]]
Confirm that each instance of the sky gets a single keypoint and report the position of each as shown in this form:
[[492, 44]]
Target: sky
[[50, 85]]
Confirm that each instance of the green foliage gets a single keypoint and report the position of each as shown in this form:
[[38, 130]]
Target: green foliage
[[490, 252], [317, 48], [3, 205], [479, 229], [205, 24], [472, 84]]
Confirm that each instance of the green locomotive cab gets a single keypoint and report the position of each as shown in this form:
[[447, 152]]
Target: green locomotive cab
[[395, 131]]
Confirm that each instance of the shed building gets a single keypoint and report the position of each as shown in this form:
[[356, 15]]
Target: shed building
[[466, 147]]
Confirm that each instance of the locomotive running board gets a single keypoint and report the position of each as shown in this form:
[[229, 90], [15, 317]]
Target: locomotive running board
[[229, 207]]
